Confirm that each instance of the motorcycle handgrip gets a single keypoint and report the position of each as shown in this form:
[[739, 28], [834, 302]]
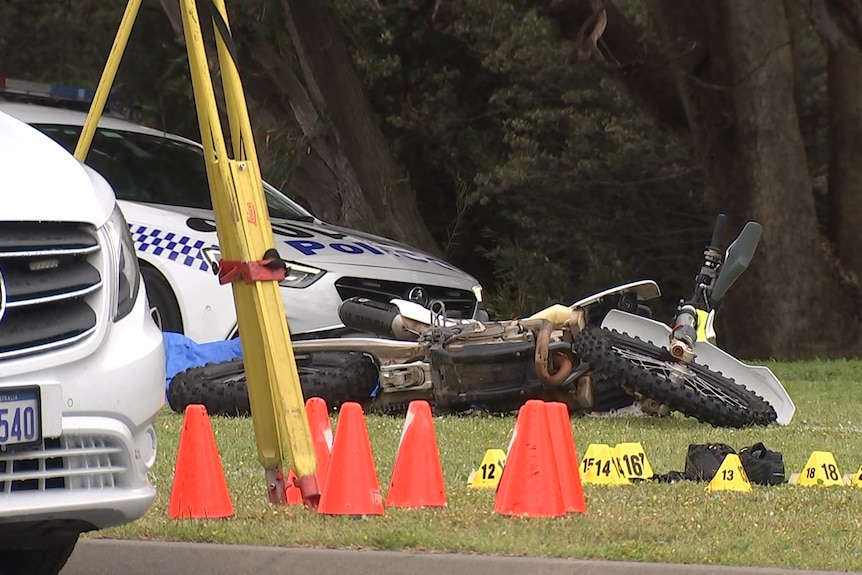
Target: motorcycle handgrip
[[718, 231]]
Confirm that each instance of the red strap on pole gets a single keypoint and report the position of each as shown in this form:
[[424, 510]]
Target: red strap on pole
[[271, 269]]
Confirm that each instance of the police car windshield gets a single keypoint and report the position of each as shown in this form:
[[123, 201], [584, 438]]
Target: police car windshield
[[158, 170]]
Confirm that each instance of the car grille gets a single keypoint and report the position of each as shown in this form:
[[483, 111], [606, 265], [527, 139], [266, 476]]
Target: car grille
[[459, 303], [46, 269], [68, 462]]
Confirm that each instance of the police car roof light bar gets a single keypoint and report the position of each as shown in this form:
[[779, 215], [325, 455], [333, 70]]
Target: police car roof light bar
[[42, 90], [64, 96]]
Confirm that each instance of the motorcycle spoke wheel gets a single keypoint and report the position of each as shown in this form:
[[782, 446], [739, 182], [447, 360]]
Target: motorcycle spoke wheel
[[678, 373], [651, 372]]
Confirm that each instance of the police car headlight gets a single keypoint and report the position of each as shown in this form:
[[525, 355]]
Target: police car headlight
[[129, 274], [212, 255], [300, 276]]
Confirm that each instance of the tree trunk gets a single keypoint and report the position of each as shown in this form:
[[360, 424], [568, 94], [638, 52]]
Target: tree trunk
[[318, 134], [840, 25], [845, 159], [733, 70], [364, 167], [793, 9]]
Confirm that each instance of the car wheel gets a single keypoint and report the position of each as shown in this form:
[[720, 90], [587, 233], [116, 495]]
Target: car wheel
[[163, 304], [45, 558]]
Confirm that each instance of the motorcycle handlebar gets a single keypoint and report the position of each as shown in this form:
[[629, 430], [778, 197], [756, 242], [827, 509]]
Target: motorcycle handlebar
[[712, 257]]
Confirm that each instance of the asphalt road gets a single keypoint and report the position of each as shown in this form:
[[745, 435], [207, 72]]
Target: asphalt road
[[113, 557]]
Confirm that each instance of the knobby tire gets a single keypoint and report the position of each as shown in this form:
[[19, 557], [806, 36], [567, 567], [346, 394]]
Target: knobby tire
[[222, 388], [652, 372]]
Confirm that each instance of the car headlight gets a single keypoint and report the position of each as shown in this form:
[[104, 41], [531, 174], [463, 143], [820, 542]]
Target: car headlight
[[298, 275], [129, 274], [212, 256]]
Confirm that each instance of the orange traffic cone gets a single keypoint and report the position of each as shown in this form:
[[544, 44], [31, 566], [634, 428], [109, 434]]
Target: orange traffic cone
[[200, 488], [292, 492], [530, 484], [351, 486], [417, 477], [566, 456], [321, 435]]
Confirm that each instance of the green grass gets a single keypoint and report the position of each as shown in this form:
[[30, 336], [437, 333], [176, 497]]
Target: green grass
[[780, 526]]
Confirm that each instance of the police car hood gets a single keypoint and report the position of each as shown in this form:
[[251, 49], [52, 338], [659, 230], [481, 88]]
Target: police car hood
[[317, 243], [399, 253]]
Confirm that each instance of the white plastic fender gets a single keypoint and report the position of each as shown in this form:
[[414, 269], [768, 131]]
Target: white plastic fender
[[645, 290]]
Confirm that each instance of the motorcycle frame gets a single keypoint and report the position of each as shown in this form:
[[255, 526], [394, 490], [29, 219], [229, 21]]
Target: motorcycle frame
[[406, 365]]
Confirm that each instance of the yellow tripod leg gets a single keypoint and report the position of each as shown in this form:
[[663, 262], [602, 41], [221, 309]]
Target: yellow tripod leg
[[245, 235], [82, 147]]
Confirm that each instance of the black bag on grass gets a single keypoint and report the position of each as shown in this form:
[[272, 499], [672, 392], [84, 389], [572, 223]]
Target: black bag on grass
[[702, 460], [763, 466]]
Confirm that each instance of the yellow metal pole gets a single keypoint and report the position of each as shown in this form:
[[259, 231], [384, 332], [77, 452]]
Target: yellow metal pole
[[245, 236], [246, 241], [82, 148], [287, 391]]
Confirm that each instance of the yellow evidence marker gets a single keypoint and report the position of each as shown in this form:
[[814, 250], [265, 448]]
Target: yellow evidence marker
[[730, 476], [821, 470], [600, 466], [854, 480], [633, 462], [489, 471]]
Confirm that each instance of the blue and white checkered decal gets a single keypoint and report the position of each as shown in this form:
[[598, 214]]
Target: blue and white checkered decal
[[177, 248]]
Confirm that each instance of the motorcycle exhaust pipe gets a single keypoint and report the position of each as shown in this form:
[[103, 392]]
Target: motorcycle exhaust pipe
[[381, 319]]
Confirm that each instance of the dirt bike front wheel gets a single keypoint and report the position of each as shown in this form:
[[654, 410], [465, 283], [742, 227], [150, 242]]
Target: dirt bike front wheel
[[652, 372]]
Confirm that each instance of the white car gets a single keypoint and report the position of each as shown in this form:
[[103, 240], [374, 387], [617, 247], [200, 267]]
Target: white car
[[160, 180], [82, 364]]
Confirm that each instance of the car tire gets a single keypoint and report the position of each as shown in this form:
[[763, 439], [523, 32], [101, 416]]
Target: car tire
[[46, 558], [163, 304]]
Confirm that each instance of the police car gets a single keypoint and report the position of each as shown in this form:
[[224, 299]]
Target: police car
[[161, 184]]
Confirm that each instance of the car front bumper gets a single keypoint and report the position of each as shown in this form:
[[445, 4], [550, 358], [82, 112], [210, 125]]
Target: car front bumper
[[90, 470]]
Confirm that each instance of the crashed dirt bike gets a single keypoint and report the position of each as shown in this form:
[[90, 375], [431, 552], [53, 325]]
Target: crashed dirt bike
[[413, 352], [600, 353]]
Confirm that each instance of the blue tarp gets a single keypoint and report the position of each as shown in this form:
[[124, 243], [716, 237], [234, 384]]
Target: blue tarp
[[182, 353]]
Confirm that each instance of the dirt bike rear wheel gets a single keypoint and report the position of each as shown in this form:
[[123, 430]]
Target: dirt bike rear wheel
[[222, 388], [651, 372]]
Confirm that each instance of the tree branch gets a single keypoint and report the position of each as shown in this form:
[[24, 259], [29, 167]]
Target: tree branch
[[639, 67]]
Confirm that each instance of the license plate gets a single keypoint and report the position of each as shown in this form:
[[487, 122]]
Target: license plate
[[20, 417]]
